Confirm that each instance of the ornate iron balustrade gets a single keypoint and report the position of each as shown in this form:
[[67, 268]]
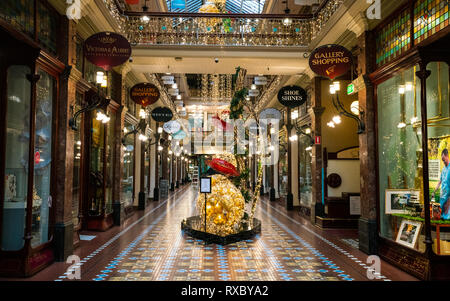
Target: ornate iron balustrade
[[165, 29]]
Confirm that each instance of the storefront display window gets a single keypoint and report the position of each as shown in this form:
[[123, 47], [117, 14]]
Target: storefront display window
[[400, 155], [42, 198], [283, 167], [96, 177], [76, 180], [128, 168], [16, 160], [110, 162], [438, 114], [304, 171]]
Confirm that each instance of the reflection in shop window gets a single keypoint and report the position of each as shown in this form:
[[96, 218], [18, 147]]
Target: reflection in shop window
[[128, 168], [16, 158], [400, 155], [42, 198]]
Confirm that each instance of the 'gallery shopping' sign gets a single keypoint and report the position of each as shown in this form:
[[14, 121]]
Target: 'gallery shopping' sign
[[292, 96], [107, 50], [144, 94], [330, 61]]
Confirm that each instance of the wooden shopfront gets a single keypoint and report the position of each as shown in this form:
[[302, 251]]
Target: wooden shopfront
[[411, 84], [29, 100]]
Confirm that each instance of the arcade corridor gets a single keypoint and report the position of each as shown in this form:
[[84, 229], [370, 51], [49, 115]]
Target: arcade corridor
[[152, 247]]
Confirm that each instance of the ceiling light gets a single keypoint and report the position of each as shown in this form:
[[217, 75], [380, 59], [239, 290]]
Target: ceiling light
[[401, 90], [160, 130], [331, 124], [308, 131], [175, 86]]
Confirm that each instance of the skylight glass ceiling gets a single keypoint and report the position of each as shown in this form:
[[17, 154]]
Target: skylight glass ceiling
[[233, 6]]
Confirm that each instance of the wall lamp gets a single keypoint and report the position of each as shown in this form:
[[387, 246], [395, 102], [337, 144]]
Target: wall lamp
[[334, 91], [96, 102], [141, 127], [307, 133]]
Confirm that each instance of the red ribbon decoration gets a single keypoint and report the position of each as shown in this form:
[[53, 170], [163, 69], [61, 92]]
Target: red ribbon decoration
[[220, 123], [223, 167]]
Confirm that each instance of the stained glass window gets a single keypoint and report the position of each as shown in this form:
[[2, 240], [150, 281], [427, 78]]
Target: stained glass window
[[393, 39], [48, 25], [430, 16], [20, 13]]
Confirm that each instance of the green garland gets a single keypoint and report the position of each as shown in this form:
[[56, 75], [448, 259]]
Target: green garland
[[419, 219]]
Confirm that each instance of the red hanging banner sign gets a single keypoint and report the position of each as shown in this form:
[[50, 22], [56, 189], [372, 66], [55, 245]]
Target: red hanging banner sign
[[144, 94], [107, 50]]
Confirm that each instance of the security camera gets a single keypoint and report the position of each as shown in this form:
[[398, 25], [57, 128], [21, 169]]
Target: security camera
[[130, 60], [216, 60]]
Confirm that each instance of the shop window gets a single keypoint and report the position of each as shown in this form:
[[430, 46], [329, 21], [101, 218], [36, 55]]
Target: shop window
[[147, 169], [16, 160], [110, 146], [400, 156], [76, 180], [438, 114], [42, 198], [283, 166], [304, 172], [96, 172], [128, 168], [400, 153]]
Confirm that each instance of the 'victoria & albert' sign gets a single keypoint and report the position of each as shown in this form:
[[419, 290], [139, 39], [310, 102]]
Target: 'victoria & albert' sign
[[330, 61], [161, 114], [292, 96], [144, 94], [107, 50]]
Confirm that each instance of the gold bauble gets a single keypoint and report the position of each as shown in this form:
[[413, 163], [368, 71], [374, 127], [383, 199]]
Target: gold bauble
[[224, 207]]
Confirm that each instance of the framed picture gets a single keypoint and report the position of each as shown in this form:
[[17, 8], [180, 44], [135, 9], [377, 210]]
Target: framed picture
[[398, 199], [408, 233]]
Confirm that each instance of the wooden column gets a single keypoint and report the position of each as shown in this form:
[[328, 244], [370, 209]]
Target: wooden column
[[367, 150]]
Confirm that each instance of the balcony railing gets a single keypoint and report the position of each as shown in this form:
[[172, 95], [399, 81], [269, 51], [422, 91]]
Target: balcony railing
[[144, 28]]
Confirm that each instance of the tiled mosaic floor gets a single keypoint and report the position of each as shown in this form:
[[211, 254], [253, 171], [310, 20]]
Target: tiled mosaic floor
[[163, 252]]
